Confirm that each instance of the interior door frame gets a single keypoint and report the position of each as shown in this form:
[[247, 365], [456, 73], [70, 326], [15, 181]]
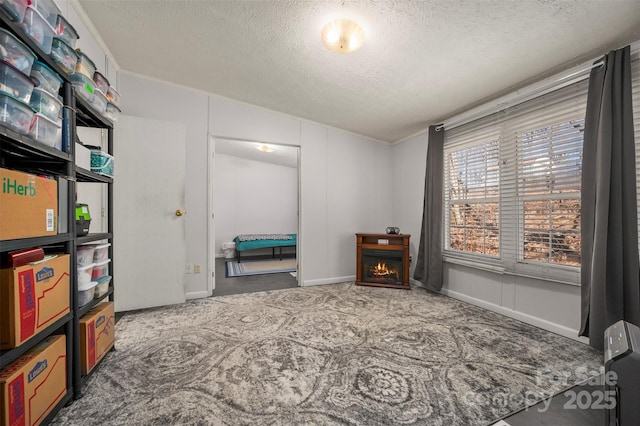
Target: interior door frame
[[211, 223]]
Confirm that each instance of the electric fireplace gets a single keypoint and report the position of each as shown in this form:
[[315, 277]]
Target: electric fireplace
[[383, 260]]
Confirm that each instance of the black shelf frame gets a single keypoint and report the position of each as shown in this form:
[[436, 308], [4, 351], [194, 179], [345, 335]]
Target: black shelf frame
[[89, 306], [82, 114], [24, 243], [12, 142], [84, 175], [87, 376], [10, 355], [66, 399], [18, 151], [89, 238]]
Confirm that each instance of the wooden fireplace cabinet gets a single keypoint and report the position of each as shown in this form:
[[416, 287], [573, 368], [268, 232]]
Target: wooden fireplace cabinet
[[396, 242]]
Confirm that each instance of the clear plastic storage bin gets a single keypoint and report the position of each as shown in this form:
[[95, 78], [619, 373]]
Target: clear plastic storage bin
[[15, 52], [46, 131], [13, 82], [48, 9], [14, 8], [45, 78], [38, 29], [101, 82], [85, 254], [66, 31], [84, 86], [103, 286], [112, 112], [113, 96], [99, 101], [100, 269], [101, 252], [45, 103], [84, 273], [63, 55], [15, 114], [86, 292], [85, 65]]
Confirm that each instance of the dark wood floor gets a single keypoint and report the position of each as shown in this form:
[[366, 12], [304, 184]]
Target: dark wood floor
[[251, 284]]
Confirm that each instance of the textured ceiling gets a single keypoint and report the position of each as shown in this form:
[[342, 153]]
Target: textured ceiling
[[422, 61]]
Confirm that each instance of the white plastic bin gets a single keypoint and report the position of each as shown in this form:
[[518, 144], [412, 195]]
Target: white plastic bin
[[229, 250], [86, 292]]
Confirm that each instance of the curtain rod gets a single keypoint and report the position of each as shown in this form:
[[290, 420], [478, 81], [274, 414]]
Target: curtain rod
[[520, 96]]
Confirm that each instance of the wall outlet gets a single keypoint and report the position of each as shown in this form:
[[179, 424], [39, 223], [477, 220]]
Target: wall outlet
[[189, 268], [196, 268]]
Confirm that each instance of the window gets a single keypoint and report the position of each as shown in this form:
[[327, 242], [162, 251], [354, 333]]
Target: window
[[549, 173], [512, 186], [473, 196]]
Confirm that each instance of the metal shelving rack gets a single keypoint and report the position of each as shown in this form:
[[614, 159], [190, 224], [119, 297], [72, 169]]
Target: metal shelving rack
[[20, 152], [83, 114]]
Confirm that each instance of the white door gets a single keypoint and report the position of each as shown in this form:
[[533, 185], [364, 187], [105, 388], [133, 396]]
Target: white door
[[148, 222]]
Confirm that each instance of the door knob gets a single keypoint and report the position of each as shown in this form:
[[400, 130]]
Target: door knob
[[179, 212]]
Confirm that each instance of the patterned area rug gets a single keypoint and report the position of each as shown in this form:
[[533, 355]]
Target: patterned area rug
[[328, 355], [260, 267]]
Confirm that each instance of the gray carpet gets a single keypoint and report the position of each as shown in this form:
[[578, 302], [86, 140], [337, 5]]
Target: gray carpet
[[335, 354]]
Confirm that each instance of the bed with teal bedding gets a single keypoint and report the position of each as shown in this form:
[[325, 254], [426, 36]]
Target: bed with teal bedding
[[246, 242]]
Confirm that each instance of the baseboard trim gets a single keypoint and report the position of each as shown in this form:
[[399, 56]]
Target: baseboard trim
[[520, 316], [334, 280], [196, 295]]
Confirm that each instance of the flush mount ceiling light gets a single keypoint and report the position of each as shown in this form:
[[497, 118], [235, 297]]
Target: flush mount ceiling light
[[264, 148], [342, 36]]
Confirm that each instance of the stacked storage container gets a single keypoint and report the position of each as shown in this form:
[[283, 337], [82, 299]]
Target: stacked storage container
[[16, 87], [31, 107], [86, 286], [39, 21], [93, 271], [29, 89], [101, 260]]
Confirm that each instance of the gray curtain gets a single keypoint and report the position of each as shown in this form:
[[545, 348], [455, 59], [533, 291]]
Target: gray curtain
[[429, 265], [610, 272]]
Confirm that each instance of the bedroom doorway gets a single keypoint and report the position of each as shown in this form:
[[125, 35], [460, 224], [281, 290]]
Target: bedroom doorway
[[254, 195]]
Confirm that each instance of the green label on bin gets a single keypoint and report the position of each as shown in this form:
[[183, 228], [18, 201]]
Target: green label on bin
[[89, 89]]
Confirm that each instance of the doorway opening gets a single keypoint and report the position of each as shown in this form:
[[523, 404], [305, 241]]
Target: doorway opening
[[254, 204]]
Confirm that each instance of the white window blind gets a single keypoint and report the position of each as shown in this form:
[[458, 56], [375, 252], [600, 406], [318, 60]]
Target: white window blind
[[635, 91], [519, 172]]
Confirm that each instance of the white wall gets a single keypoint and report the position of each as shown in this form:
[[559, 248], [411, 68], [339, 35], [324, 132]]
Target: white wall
[[88, 43], [409, 162], [345, 182], [349, 184], [548, 305], [146, 98], [253, 197]]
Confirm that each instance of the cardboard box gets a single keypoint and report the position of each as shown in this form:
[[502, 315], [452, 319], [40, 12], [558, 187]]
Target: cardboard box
[[34, 384], [32, 297], [97, 334], [63, 205], [28, 205]]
